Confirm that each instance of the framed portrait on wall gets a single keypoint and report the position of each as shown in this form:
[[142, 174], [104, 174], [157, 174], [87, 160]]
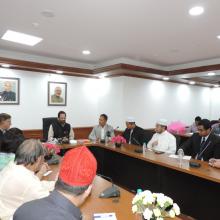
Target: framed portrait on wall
[[57, 93], [9, 91]]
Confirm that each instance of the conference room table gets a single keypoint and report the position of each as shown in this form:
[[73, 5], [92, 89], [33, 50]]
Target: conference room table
[[195, 190], [120, 206]]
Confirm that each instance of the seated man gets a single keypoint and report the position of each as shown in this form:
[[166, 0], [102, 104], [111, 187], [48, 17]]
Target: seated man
[[9, 146], [203, 145], [194, 127], [103, 130], [162, 140], [18, 181], [133, 134], [60, 129], [73, 186], [216, 129], [5, 123]]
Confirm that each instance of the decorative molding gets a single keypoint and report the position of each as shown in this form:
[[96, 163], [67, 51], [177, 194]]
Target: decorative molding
[[116, 70]]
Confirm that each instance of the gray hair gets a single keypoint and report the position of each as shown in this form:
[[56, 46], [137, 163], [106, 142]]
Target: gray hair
[[74, 190], [28, 152]]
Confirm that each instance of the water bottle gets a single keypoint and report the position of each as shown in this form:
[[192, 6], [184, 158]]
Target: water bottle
[[180, 153], [144, 148], [139, 191]]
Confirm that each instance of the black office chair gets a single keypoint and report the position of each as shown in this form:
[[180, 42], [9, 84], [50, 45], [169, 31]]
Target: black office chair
[[46, 124], [148, 134]]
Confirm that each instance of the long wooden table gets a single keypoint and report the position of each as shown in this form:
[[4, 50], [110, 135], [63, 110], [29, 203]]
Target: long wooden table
[[196, 190], [94, 204]]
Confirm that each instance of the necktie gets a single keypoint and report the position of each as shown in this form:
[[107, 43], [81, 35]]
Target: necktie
[[202, 146]]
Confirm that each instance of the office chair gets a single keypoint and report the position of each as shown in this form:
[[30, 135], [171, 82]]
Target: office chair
[[46, 124]]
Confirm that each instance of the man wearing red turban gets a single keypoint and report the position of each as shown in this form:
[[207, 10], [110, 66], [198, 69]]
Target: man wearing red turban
[[74, 184]]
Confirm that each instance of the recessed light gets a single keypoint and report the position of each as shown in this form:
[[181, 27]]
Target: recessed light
[[195, 11], [59, 71], [192, 83], [21, 38], [211, 73], [86, 52], [166, 78], [216, 86], [218, 36], [5, 65]]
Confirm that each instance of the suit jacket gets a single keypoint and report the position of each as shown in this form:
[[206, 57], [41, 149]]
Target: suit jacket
[[96, 132], [212, 146], [137, 136], [55, 206]]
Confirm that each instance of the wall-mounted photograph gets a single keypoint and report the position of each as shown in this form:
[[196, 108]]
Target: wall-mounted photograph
[[9, 91], [57, 93]]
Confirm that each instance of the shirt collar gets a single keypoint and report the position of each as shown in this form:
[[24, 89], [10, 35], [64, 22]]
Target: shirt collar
[[3, 130], [65, 204], [206, 137]]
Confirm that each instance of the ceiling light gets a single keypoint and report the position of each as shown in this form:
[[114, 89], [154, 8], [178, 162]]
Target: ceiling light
[[195, 11], [86, 52], [166, 78], [218, 36], [5, 65], [21, 38], [211, 73], [192, 83], [216, 86], [59, 71]]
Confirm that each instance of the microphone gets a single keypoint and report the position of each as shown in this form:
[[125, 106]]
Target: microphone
[[137, 142], [111, 191]]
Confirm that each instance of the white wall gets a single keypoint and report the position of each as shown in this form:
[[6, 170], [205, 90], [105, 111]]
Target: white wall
[[150, 100], [146, 100], [215, 103]]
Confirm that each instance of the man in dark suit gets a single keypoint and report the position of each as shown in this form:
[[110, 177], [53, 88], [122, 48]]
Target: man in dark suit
[[5, 123], [204, 144], [133, 134]]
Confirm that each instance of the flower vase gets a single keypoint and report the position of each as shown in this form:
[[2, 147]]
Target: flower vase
[[118, 144]]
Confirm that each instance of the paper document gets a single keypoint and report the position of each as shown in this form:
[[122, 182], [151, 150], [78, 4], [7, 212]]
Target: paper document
[[176, 156], [104, 216], [48, 172]]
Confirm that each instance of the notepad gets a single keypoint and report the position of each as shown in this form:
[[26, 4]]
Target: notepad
[[177, 157], [104, 216], [48, 172]]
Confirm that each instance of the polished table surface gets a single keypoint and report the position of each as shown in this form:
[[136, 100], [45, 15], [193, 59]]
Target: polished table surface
[[121, 206], [188, 186], [205, 171]]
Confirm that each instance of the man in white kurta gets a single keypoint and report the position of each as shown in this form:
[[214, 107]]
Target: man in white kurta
[[162, 140], [19, 184]]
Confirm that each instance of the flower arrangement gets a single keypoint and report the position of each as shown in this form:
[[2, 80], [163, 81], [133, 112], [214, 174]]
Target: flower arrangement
[[154, 206], [51, 149], [118, 139]]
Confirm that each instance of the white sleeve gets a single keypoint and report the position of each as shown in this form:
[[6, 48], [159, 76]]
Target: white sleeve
[[172, 145], [50, 133], [71, 134], [149, 144]]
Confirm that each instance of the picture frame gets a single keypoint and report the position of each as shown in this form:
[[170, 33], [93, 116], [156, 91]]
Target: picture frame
[[57, 93], [9, 91]]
